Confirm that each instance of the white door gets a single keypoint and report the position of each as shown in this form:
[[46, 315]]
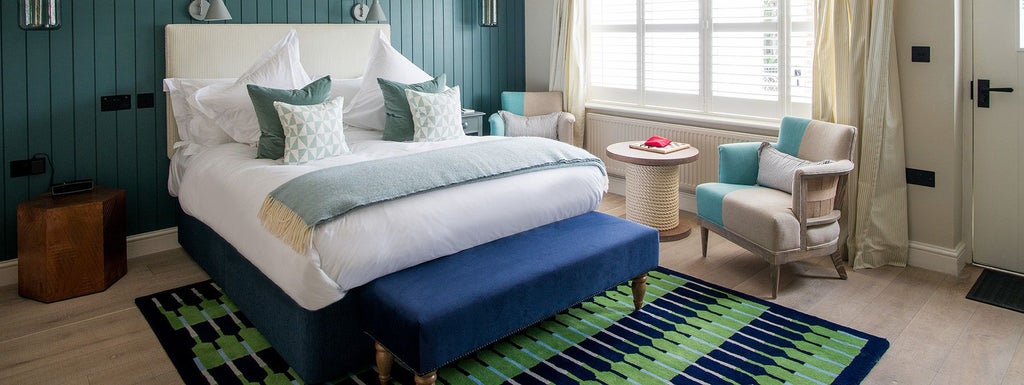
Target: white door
[[998, 135]]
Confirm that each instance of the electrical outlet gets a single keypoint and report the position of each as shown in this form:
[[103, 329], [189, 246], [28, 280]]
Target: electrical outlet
[[921, 177], [26, 167], [115, 102]]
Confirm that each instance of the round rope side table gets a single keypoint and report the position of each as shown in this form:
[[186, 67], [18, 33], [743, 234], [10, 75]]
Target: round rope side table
[[652, 188]]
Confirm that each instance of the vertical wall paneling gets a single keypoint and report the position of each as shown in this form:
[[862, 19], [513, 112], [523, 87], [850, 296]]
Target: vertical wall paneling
[[145, 118], [15, 118], [51, 83], [7, 225], [166, 207]]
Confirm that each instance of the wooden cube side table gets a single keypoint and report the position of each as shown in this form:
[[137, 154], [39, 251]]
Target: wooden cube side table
[[71, 245]]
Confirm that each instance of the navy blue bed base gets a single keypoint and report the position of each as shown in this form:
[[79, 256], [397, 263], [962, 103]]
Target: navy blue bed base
[[330, 342], [320, 345]]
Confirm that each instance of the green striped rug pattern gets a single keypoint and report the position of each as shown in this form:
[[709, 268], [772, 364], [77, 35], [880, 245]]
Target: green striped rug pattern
[[689, 331]]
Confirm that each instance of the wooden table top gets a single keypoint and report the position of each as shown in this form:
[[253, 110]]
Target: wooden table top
[[621, 151]]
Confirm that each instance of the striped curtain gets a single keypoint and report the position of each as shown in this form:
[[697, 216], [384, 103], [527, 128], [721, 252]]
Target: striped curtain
[[568, 60], [856, 82]]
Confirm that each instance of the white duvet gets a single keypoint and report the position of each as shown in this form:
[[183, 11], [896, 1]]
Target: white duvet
[[224, 187]]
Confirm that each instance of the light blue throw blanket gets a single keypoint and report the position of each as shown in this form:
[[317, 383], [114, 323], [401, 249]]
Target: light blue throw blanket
[[294, 209]]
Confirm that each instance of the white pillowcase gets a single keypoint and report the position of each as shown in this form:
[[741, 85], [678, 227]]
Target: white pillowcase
[[229, 106], [193, 127], [345, 88], [366, 109]]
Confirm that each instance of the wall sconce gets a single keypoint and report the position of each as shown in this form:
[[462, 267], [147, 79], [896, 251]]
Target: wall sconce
[[362, 12], [39, 14], [203, 10], [490, 13]]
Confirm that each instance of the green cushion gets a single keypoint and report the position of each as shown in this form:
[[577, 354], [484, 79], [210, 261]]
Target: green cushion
[[271, 144], [398, 125]]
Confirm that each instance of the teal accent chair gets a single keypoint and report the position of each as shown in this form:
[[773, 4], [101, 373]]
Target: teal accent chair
[[777, 225], [534, 104]]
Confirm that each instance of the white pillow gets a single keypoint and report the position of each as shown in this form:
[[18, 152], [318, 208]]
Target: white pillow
[[193, 127], [312, 132], [345, 88], [366, 109], [229, 106], [436, 116]]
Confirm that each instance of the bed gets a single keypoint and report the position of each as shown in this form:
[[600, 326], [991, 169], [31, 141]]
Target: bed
[[299, 300]]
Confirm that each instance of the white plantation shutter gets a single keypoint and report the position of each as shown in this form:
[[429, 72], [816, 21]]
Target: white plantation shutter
[[736, 57]]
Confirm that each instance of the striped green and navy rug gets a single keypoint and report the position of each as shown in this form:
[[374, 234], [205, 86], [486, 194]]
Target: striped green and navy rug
[[689, 331]]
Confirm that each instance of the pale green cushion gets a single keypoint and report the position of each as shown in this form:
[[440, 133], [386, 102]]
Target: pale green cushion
[[436, 117], [398, 124], [312, 132], [271, 142]]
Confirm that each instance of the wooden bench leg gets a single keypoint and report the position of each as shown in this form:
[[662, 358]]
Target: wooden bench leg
[[384, 362], [426, 379], [639, 289]]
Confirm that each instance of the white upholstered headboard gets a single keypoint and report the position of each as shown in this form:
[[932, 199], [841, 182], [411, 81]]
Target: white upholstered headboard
[[206, 51]]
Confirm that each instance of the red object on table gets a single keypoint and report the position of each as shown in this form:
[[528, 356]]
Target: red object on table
[[657, 141]]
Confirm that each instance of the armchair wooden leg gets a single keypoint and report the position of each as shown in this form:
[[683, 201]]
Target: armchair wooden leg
[[704, 241], [426, 379], [639, 285], [384, 362], [775, 281], [837, 260]]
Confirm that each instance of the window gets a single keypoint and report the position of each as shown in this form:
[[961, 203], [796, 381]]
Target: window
[[747, 58]]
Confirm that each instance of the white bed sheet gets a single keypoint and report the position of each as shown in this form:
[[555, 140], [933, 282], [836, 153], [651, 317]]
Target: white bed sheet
[[224, 187]]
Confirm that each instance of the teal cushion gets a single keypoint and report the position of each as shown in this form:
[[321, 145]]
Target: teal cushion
[[271, 144], [791, 134], [398, 125], [709, 200], [737, 163], [513, 102]]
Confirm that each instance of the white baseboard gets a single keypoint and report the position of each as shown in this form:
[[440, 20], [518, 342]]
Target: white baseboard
[[922, 255], [138, 245], [936, 258]]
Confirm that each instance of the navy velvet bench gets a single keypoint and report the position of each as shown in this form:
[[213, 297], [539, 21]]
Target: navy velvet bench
[[432, 314]]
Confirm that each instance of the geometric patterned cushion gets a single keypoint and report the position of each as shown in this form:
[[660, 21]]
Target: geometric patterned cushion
[[436, 117], [312, 132]]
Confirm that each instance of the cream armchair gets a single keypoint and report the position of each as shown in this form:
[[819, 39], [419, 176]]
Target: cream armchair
[[781, 226], [530, 109]]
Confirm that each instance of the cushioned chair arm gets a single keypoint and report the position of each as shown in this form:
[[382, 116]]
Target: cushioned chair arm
[[497, 125], [841, 167], [737, 163], [566, 121]]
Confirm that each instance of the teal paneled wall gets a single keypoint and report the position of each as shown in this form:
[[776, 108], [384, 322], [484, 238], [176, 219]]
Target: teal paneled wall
[[51, 83]]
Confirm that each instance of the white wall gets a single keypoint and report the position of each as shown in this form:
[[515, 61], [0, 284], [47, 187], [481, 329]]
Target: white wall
[[538, 24]]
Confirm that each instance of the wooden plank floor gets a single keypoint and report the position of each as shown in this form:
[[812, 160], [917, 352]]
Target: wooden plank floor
[[937, 336]]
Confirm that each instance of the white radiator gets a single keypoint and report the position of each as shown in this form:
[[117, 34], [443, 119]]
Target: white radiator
[[603, 130]]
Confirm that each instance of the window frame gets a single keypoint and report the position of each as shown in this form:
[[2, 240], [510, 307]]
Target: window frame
[[637, 102]]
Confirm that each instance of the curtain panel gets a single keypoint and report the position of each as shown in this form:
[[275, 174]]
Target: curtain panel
[[568, 61], [856, 82]]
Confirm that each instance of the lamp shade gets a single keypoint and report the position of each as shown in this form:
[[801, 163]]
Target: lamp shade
[[376, 12], [217, 11]]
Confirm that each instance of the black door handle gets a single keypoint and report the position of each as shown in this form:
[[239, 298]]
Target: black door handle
[[984, 89]]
